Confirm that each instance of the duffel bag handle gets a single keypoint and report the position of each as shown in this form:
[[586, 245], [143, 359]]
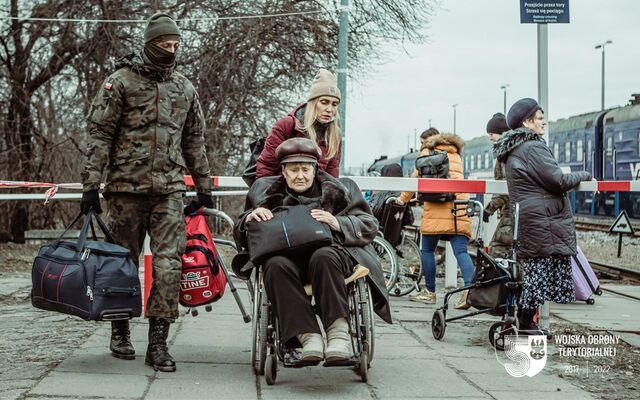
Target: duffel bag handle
[[88, 221], [84, 231]]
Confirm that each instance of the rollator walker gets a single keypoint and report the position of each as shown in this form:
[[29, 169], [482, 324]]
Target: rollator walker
[[495, 283]]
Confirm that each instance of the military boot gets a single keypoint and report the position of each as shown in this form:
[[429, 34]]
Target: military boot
[[158, 356], [121, 346]]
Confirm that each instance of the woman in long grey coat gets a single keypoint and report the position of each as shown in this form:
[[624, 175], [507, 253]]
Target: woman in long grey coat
[[546, 235], [339, 204]]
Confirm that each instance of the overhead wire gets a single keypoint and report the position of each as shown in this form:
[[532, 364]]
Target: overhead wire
[[136, 21]]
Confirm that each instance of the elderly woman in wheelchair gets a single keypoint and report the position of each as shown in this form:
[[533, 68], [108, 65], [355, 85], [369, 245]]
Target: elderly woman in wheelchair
[[339, 204]]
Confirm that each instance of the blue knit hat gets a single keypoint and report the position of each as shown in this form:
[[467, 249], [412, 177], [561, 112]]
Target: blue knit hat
[[520, 111]]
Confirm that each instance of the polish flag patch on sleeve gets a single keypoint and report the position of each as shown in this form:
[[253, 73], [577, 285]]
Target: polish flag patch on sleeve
[[107, 86]]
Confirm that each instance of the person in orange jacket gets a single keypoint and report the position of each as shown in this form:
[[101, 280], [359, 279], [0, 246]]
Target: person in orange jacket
[[438, 222]]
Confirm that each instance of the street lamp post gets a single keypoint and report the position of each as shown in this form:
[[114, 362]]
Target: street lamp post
[[454, 118], [602, 91], [504, 102]]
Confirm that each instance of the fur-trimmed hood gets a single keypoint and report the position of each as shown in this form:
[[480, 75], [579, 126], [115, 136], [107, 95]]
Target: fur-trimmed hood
[[512, 139], [446, 141], [334, 196]]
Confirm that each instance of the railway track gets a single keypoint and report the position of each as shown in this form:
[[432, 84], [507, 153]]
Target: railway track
[[616, 272], [600, 225]]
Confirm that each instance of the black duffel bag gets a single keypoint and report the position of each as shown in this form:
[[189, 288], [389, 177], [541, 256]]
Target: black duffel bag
[[291, 232], [94, 280]]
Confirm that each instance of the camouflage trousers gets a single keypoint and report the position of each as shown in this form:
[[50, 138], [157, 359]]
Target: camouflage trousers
[[130, 217]]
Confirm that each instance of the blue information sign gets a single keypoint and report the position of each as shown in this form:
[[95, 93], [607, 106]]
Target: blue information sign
[[544, 11]]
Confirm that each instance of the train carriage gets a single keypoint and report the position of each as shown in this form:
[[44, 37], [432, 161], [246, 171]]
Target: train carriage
[[605, 143]]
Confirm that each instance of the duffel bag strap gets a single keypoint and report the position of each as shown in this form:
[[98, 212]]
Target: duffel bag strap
[[103, 227], [57, 242]]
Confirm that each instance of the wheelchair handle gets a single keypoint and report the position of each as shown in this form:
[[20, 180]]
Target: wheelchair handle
[[391, 200], [218, 213]]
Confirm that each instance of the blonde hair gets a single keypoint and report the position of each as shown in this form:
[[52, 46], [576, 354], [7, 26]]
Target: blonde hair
[[333, 134]]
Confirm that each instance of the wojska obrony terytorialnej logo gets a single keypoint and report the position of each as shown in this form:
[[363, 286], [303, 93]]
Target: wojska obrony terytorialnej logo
[[523, 355]]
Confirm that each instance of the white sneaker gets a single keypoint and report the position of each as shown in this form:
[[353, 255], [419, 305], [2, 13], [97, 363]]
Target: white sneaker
[[338, 341], [312, 346]]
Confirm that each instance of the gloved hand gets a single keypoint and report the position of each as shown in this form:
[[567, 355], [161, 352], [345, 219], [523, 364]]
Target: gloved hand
[[204, 200], [485, 216], [90, 200]]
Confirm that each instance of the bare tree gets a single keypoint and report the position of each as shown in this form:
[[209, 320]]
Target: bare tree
[[248, 72]]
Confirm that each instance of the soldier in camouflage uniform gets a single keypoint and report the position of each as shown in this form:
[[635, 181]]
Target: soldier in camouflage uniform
[[146, 130], [501, 242]]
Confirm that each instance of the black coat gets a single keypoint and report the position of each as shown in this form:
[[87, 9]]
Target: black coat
[[537, 183], [342, 198]]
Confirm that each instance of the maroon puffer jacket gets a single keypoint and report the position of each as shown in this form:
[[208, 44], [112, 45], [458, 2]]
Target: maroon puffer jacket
[[286, 128]]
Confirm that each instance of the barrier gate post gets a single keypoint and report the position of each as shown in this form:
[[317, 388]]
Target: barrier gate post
[[450, 267], [148, 273]]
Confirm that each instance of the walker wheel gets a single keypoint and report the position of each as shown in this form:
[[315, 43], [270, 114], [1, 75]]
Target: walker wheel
[[438, 324], [194, 312], [271, 369], [208, 308], [599, 292], [590, 301], [498, 331]]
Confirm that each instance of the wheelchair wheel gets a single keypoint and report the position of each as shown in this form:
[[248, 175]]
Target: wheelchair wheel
[[409, 267], [271, 369], [366, 312], [387, 256], [263, 333], [438, 324], [258, 339], [498, 331]]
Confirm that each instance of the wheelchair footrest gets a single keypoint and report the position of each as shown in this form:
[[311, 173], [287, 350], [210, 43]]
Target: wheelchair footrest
[[341, 363]]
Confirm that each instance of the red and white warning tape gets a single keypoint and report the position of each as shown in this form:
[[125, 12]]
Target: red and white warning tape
[[423, 185]]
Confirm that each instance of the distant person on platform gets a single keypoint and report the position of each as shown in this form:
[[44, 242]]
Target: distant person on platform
[[502, 240], [438, 222], [546, 236]]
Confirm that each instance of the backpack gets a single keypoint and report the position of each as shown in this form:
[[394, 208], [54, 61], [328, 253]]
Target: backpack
[[201, 278], [434, 165], [250, 170]]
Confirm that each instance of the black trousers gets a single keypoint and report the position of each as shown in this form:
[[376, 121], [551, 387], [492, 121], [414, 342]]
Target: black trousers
[[284, 280]]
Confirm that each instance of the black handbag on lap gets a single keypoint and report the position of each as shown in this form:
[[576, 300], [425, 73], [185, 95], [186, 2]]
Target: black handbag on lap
[[91, 279], [292, 231]]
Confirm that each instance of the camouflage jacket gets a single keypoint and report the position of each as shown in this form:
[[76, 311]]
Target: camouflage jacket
[[499, 202], [147, 129]]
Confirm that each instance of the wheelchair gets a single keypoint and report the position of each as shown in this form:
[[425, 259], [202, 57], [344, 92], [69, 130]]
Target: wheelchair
[[267, 349], [405, 247]]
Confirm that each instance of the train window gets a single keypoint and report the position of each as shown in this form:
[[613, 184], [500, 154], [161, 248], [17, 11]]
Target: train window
[[567, 152], [472, 164], [556, 150], [589, 150], [609, 147], [479, 161], [486, 160], [579, 151]]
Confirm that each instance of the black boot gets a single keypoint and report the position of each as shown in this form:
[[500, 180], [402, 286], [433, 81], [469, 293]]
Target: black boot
[[121, 346], [525, 321], [157, 355]]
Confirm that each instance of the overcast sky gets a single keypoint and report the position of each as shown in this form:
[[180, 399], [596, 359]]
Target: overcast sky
[[474, 47]]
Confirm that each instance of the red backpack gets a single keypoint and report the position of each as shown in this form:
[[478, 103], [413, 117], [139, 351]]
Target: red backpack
[[201, 280]]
